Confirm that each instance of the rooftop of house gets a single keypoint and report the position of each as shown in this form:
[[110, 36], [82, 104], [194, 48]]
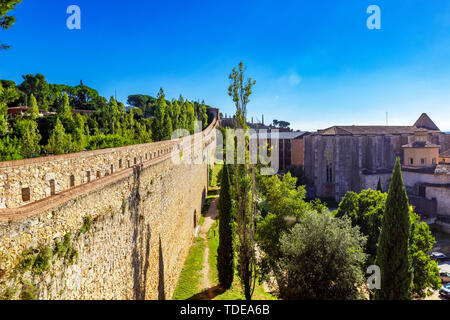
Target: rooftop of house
[[281, 135], [421, 144], [424, 123], [445, 154]]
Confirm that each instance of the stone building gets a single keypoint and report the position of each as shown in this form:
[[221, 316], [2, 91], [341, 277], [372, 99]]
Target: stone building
[[352, 158]]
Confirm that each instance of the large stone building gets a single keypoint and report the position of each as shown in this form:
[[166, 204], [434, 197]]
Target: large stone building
[[352, 158]]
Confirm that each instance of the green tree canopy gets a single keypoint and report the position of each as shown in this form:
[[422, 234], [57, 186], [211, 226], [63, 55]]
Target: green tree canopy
[[321, 259], [59, 142], [6, 21]]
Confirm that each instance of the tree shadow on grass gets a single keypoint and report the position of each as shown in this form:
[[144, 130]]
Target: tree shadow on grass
[[208, 294]]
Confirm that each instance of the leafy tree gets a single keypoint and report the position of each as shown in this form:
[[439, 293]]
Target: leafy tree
[[8, 92], [10, 149], [167, 127], [285, 204], [393, 253], [65, 111], [225, 257], [245, 185], [426, 271], [7, 21], [59, 142], [28, 133], [38, 86], [3, 119], [33, 109], [158, 121], [366, 211], [321, 259]]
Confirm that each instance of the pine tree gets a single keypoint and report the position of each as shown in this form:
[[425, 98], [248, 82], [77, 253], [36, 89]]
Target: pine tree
[[167, 127], [29, 136], [64, 111], [379, 187], [158, 121], [33, 109], [225, 258], [3, 119], [59, 142], [393, 254]]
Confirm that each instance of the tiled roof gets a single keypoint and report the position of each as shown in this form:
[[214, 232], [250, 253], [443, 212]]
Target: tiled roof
[[425, 122], [367, 130], [420, 144]]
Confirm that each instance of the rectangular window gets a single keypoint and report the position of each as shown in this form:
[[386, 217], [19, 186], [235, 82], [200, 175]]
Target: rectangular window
[[411, 161], [52, 187], [25, 194], [72, 181], [88, 174], [422, 161], [120, 163]]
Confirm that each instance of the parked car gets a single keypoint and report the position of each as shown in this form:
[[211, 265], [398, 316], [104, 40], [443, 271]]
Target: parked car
[[438, 256], [445, 291], [445, 277]]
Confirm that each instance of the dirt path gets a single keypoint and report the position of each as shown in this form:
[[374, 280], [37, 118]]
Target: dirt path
[[207, 224]]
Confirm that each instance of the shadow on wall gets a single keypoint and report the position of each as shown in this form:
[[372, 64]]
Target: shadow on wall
[[161, 293]]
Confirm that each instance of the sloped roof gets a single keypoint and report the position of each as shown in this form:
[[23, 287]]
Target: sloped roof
[[425, 122], [445, 154], [367, 130], [420, 144]]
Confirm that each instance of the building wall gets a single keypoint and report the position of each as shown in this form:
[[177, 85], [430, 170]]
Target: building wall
[[442, 196], [143, 220], [297, 155], [351, 158], [430, 155]]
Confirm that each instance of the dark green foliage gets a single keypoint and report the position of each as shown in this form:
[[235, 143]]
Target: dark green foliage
[[111, 125], [43, 260], [7, 21], [225, 256], [393, 254], [366, 211], [379, 187], [321, 259], [87, 224]]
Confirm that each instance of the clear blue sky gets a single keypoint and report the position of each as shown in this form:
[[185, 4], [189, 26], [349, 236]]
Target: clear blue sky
[[315, 62]]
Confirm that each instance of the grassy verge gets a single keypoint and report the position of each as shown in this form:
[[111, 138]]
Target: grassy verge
[[190, 278], [235, 292]]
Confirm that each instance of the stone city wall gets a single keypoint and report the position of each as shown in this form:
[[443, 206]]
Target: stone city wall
[[122, 236]]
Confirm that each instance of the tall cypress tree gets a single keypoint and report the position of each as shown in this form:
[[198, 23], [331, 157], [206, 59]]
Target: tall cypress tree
[[393, 256], [379, 187], [225, 261]]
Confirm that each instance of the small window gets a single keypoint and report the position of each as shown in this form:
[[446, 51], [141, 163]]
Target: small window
[[88, 174], [120, 163], [433, 161], [128, 163], [98, 174], [112, 169], [52, 187], [72, 181], [25, 194], [422, 161], [135, 160], [411, 161]]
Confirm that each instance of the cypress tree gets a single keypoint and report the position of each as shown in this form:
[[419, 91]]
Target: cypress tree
[[225, 250], [33, 109], [379, 188], [393, 256]]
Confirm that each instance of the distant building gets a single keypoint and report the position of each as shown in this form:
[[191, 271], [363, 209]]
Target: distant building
[[290, 147], [352, 158]]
